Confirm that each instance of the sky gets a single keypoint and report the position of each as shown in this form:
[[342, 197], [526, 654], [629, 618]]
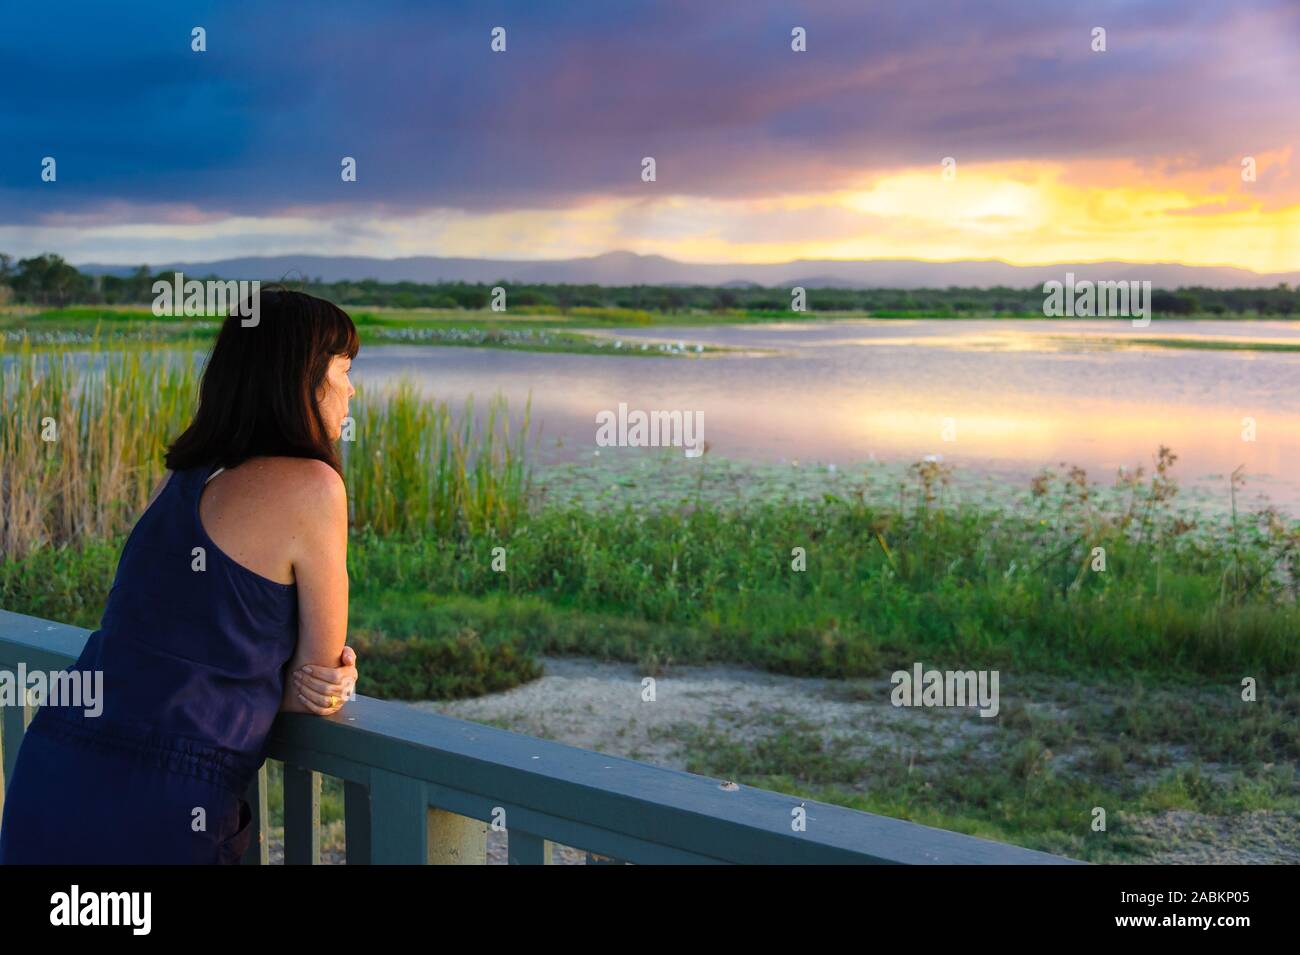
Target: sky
[[1059, 152]]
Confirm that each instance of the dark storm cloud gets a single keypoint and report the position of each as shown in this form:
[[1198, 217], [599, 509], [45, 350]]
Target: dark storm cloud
[[142, 127]]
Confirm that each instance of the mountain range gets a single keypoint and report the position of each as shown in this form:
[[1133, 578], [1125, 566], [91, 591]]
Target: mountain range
[[629, 268]]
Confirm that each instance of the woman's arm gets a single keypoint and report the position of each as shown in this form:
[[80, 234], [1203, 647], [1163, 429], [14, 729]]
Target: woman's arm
[[317, 684], [319, 536]]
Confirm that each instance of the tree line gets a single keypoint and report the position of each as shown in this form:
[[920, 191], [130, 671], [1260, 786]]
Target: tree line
[[48, 280]]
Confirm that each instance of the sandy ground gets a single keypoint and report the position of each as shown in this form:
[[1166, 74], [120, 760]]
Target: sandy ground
[[597, 705]]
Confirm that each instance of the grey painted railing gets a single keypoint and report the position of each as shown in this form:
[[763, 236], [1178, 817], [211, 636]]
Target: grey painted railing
[[420, 787]]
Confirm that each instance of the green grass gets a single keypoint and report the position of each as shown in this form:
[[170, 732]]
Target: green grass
[[981, 588], [413, 465]]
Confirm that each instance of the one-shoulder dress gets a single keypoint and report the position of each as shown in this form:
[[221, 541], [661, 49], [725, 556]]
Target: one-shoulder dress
[[193, 650]]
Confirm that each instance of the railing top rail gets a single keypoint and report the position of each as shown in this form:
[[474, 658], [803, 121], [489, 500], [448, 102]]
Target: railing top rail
[[554, 780]]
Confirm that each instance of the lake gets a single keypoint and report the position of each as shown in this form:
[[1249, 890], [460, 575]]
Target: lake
[[1003, 397]]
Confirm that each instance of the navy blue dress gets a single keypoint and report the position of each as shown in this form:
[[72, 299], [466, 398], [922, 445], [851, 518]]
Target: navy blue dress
[[193, 662]]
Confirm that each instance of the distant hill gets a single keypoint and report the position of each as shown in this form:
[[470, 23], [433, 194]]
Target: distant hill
[[628, 268]]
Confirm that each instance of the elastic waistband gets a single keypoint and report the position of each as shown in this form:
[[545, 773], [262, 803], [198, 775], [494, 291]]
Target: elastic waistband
[[177, 754]]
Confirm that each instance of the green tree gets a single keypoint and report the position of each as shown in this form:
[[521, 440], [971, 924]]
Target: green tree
[[139, 287], [48, 280]]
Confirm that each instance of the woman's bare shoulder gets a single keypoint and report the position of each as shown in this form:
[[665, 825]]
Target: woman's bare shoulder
[[295, 471], [299, 482]]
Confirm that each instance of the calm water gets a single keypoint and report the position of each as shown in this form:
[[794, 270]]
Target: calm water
[[1020, 394]]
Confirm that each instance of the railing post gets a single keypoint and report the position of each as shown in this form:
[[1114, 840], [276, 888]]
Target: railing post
[[527, 848], [356, 823], [257, 852], [399, 832], [301, 816]]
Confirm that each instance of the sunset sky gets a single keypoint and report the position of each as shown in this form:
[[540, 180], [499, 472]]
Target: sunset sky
[[763, 154]]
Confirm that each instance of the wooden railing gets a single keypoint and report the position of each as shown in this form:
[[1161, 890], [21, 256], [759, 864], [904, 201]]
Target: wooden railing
[[420, 787]]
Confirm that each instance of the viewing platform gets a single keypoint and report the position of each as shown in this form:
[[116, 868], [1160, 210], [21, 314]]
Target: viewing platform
[[422, 788]]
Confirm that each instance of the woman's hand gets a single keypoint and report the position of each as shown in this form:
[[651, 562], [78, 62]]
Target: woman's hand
[[324, 690]]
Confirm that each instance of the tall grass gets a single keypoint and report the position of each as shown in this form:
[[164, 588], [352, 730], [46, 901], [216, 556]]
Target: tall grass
[[83, 434], [416, 468], [437, 491], [975, 587], [82, 440]]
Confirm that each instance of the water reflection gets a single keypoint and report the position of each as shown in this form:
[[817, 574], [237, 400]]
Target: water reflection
[[832, 392]]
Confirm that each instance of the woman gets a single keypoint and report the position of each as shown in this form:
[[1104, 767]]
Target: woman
[[234, 577]]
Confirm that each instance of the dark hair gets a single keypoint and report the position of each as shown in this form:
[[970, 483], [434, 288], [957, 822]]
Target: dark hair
[[258, 393]]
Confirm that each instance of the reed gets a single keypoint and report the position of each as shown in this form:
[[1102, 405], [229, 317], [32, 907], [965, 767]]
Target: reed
[[82, 437], [414, 467], [83, 434]]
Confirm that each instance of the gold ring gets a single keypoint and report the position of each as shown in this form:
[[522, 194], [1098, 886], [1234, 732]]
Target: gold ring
[[333, 702]]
